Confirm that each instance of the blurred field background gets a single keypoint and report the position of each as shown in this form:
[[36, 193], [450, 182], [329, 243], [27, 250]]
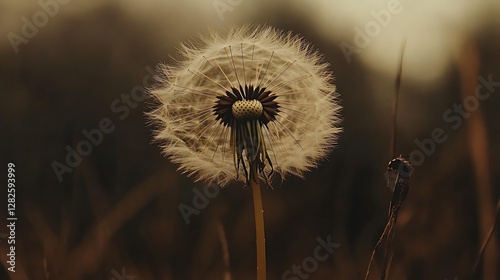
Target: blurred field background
[[117, 212]]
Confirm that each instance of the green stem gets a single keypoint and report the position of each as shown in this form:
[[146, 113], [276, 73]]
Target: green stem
[[259, 222]]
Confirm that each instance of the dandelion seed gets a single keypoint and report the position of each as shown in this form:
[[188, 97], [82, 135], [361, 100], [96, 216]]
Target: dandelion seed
[[250, 96]]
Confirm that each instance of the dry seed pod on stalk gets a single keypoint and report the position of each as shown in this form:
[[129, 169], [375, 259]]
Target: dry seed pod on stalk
[[248, 96], [246, 104]]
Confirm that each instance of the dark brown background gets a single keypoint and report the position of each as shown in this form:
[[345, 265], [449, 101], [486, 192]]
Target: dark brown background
[[119, 207]]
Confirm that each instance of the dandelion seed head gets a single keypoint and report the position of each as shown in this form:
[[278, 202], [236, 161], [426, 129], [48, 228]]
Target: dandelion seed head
[[248, 95]]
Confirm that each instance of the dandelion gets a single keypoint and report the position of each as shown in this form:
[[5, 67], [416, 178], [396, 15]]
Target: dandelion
[[245, 105], [253, 95]]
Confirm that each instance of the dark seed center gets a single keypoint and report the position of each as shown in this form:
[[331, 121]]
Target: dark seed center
[[247, 102], [247, 109]]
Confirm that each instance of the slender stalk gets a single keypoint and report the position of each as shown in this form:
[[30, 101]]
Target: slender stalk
[[259, 223], [225, 251], [487, 240]]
